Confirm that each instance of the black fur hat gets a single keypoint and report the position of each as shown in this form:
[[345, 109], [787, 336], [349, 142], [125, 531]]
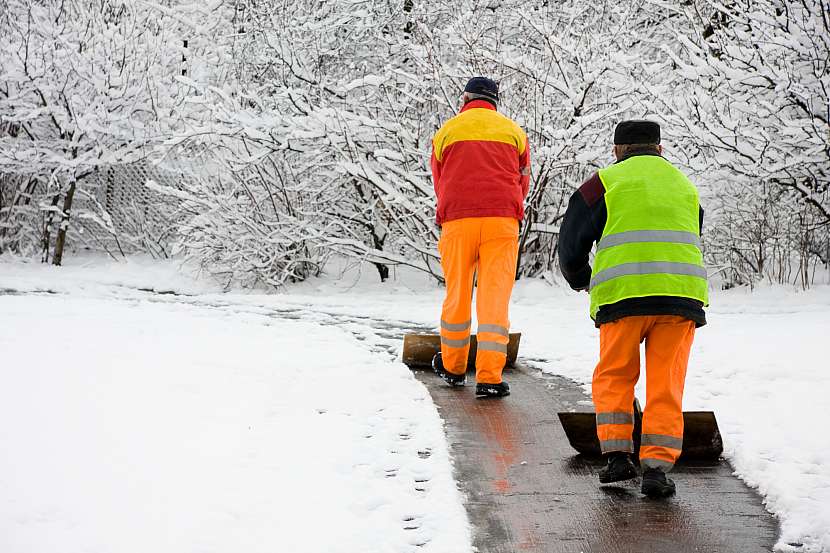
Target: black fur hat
[[637, 131]]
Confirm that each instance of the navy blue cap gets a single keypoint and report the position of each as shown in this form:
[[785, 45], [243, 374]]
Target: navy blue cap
[[483, 86]]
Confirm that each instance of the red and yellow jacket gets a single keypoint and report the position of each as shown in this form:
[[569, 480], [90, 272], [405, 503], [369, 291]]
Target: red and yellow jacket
[[480, 165]]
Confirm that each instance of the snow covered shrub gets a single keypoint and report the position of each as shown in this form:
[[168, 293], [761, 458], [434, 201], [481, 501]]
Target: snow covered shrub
[[764, 232], [239, 214], [85, 86], [358, 113], [754, 122], [76, 91], [308, 125], [238, 242]]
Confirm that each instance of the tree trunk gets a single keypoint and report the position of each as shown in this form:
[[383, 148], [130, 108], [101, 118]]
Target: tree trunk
[[47, 232], [383, 270], [408, 5], [378, 241], [60, 242]]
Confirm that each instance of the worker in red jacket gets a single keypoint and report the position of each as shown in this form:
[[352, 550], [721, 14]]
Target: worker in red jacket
[[481, 173]]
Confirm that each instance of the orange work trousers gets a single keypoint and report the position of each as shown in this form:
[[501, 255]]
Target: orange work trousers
[[489, 245], [668, 339]]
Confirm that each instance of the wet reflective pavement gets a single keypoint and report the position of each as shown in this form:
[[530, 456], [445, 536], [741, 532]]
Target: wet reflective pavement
[[528, 491]]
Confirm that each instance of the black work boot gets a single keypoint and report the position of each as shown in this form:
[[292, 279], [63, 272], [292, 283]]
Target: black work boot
[[492, 390], [450, 378], [620, 467], [656, 484]]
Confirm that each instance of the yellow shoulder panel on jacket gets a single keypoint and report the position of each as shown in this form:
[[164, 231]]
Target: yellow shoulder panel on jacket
[[479, 124]]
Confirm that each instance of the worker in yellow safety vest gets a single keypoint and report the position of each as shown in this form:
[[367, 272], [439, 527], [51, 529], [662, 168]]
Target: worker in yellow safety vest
[[647, 284]]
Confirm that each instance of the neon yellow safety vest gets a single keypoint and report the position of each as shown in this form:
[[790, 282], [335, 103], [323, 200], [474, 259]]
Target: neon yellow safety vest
[[651, 242]]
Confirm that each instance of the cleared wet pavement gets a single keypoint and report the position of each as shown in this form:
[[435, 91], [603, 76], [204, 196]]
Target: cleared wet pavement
[[527, 490]]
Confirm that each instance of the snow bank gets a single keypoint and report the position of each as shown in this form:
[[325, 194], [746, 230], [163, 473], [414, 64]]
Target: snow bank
[[137, 425], [82, 273]]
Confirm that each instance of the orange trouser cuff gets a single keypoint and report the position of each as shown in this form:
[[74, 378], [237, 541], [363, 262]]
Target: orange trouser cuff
[[455, 345]]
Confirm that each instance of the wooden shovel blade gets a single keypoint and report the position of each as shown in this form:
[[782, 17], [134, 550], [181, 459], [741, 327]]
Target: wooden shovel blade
[[419, 349], [701, 436]]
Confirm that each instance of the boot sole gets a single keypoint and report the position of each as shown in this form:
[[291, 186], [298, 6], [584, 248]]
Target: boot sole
[[621, 478], [452, 382], [657, 492], [486, 396], [485, 391]]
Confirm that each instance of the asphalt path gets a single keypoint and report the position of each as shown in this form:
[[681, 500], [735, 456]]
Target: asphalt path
[[527, 490]]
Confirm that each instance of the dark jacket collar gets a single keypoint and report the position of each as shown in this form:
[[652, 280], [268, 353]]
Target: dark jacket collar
[[643, 152], [472, 104]]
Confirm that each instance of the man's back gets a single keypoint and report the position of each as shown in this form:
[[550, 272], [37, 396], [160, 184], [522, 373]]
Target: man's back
[[479, 161], [650, 243], [646, 187]]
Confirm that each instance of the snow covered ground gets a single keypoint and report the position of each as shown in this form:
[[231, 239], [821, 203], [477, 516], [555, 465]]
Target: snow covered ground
[[136, 422], [761, 364]]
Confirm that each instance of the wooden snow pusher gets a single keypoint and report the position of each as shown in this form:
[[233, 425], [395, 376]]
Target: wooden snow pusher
[[701, 436], [419, 349]]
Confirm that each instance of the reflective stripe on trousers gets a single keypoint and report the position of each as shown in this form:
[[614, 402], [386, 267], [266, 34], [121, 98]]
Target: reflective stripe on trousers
[[494, 329], [660, 440], [650, 463], [455, 343], [607, 446], [456, 327], [486, 345], [615, 418]]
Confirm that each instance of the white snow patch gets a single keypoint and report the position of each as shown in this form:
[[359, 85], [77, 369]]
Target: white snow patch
[[141, 423], [93, 273]]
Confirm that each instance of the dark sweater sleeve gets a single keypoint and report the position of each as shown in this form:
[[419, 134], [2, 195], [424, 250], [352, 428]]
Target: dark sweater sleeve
[[581, 227]]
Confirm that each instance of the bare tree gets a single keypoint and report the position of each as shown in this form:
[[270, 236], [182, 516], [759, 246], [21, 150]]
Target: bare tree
[[753, 120], [84, 85]]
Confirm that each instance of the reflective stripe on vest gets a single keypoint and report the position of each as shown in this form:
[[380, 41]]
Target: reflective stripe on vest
[[650, 268], [650, 245], [631, 236]]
